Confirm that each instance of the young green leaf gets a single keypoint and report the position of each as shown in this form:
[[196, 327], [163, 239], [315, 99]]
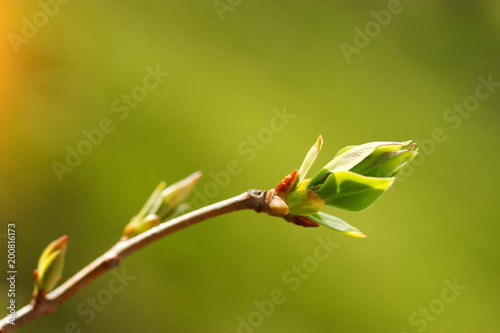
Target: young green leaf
[[385, 163], [353, 192], [336, 224], [350, 157], [308, 161], [346, 160]]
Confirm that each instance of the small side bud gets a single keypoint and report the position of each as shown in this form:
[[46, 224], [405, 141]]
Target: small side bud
[[50, 267], [136, 227], [278, 206], [173, 195], [163, 204]]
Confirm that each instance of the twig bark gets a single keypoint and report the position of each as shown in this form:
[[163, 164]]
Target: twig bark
[[253, 199]]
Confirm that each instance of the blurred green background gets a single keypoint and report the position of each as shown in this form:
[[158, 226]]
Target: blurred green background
[[231, 70]]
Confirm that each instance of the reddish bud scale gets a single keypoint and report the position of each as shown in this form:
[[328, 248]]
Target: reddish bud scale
[[286, 184], [301, 220]]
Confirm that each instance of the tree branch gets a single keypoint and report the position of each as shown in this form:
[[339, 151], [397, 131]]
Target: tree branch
[[253, 199]]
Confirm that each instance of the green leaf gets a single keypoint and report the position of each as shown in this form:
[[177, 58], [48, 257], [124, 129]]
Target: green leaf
[[353, 192], [344, 160], [304, 202], [343, 150], [308, 162], [385, 163], [336, 224], [347, 158], [318, 179]]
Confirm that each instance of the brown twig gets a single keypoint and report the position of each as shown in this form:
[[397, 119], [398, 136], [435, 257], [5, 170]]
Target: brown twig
[[253, 199]]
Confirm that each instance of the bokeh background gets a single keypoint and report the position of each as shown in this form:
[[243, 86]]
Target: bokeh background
[[65, 67]]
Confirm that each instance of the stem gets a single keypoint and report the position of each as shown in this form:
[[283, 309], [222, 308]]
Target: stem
[[253, 199]]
